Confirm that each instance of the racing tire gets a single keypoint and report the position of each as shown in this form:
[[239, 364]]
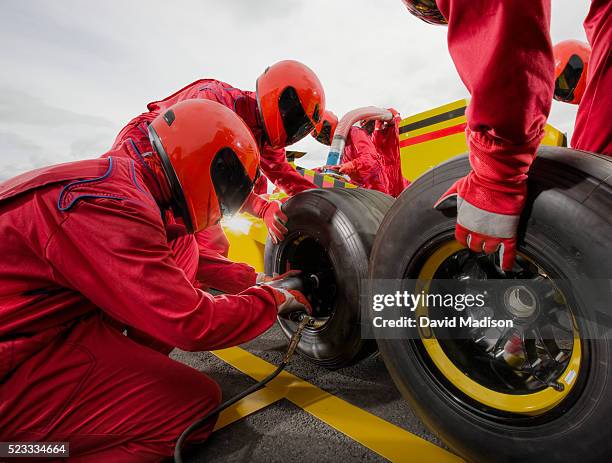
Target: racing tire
[[567, 228], [330, 234]]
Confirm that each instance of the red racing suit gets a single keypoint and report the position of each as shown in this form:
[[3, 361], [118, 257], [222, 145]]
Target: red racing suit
[[215, 269], [386, 142], [85, 256], [493, 43], [593, 130], [362, 162], [274, 164], [505, 122]]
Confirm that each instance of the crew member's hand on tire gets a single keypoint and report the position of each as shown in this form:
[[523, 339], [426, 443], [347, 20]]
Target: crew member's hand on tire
[[491, 197], [272, 214], [276, 221], [487, 215]]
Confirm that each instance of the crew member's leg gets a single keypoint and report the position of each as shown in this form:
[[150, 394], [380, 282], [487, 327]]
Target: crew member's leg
[[109, 397]]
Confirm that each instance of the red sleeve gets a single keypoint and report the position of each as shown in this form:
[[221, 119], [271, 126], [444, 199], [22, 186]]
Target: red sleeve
[[366, 162], [386, 141], [503, 53], [215, 270], [366, 155], [115, 254], [275, 167], [218, 272]]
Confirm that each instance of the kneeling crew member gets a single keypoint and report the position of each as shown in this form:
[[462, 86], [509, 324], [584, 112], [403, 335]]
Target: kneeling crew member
[[86, 256]]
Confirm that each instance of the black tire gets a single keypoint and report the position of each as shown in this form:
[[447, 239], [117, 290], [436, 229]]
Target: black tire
[[337, 227], [567, 226]]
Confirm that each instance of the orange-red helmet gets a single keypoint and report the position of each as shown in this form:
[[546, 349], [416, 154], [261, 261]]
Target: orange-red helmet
[[426, 10], [571, 65], [209, 157], [324, 130], [291, 100]]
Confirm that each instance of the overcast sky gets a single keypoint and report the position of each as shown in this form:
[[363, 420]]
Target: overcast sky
[[74, 72]]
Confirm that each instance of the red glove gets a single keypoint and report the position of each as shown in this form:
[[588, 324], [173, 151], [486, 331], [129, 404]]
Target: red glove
[[272, 214], [490, 199], [347, 168], [290, 301]]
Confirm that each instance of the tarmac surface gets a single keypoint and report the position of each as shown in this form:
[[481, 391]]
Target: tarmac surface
[[283, 432]]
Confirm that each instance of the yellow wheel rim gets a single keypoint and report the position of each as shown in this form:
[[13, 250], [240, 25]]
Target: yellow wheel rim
[[528, 404]]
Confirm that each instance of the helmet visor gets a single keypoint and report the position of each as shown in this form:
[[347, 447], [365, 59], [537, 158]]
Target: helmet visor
[[295, 121], [568, 80], [231, 181]]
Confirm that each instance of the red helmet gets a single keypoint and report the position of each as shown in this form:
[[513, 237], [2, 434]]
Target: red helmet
[[426, 10], [291, 100], [209, 157], [324, 130], [571, 64]]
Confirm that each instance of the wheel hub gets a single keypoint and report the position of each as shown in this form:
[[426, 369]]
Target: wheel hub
[[305, 253], [520, 302]]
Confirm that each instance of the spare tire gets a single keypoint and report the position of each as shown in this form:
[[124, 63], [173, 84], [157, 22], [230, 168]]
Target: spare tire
[[330, 234], [565, 235]]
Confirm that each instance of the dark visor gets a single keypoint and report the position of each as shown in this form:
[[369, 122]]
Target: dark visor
[[295, 121], [232, 183], [568, 80]]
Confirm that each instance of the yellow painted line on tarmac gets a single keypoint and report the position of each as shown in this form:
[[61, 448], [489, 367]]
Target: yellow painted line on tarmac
[[386, 439], [251, 404]]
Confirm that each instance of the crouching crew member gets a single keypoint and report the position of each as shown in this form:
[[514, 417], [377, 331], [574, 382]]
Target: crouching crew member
[[288, 102], [86, 256]]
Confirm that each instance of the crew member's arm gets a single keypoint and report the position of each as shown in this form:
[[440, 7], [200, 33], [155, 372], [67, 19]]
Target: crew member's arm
[[275, 167], [218, 272], [270, 212], [503, 54], [115, 253]]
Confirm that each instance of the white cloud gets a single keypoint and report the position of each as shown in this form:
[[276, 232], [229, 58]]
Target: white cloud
[[94, 65]]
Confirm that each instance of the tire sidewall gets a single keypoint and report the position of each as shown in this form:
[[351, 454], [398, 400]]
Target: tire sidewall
[[338, 342]]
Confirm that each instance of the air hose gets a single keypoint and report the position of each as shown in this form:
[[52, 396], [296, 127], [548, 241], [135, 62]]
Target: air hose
[[365, 113], [304, 321]]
